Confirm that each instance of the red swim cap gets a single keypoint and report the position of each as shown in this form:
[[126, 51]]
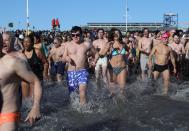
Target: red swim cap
[[164, 36]]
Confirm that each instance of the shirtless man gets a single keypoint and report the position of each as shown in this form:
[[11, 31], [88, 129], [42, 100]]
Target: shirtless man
[[55, 59], [178, 52], [13, 69], [171, 32], [1, 46], [187, 48], [156, 38], [162, 54], [75, 55], [100, 60], [144, 46]]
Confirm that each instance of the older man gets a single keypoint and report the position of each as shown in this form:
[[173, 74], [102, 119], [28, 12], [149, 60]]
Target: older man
[[13, 69]]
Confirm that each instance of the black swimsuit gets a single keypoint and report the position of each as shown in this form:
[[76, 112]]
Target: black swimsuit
[[36, 65], [161, 68]]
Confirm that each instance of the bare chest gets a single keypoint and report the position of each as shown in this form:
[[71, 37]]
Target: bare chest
[[163, 50], [76, 50], [5, 74], [100, 44], [146, 43]]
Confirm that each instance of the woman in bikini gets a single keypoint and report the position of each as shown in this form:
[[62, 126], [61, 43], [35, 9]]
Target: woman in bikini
[[117, 64]]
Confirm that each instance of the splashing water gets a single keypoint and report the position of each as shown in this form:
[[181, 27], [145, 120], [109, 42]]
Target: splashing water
[[143, 108]]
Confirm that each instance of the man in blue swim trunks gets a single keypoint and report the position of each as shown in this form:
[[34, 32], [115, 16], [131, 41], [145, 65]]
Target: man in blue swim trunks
[[75, 56]]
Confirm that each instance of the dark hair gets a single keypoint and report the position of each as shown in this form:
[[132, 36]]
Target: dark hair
[[111, 35], [75, 29], [37, 36], [58, 38], [144, 29], [31, 37], [1, 40], [100, 29], [176, 34]]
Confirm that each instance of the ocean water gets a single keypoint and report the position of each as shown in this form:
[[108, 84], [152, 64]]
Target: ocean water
[[142, 109]]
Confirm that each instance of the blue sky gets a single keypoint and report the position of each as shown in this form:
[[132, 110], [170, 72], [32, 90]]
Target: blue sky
[[80, 12]]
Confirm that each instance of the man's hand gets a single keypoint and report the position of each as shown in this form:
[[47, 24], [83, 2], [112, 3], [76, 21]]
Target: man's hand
[[33, 115], [68, 59], [71, 61]]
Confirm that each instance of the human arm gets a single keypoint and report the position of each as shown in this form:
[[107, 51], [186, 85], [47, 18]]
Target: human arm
[[87, 44], [183, 50], [173, 60], [65, 57], [23, 70], [140, 46], [44, 61], [150, 56]]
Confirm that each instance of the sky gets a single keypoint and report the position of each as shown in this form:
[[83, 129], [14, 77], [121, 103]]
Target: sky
[[81, 12]]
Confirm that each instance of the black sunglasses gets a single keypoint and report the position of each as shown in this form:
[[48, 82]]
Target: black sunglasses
[[76, 35]]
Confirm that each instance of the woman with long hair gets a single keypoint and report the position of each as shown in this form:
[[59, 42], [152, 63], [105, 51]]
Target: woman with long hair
[[117, 64]]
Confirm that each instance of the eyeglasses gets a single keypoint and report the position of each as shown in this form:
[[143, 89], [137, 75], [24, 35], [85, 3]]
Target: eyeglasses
[[55, 43], [76, 35]]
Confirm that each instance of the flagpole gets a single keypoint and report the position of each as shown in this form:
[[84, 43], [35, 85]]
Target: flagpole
[[27, 13], [126, 15]]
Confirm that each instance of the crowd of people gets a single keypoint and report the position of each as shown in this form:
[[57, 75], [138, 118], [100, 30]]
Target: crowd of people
[[28, 58]]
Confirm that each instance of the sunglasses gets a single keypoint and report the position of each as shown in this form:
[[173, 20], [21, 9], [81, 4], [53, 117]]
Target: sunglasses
[[76, 35]]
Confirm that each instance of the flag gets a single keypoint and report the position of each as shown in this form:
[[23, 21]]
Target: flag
[[57, 23], [53, 23]]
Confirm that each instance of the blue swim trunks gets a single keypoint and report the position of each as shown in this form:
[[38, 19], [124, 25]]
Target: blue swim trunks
[[57, 68], [76, 78]]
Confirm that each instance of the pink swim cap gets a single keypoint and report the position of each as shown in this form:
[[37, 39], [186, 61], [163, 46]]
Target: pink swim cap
[[164, 36]]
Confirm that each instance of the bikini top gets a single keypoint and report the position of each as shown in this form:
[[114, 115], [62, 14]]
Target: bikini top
[[116, 51]]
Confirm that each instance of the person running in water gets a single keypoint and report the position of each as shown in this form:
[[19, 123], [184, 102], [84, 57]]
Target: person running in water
[[57, 66], [37, 62], [162, 53], [75, 56], [13, 69], [100, 60], [117, 59], [144, 47]]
